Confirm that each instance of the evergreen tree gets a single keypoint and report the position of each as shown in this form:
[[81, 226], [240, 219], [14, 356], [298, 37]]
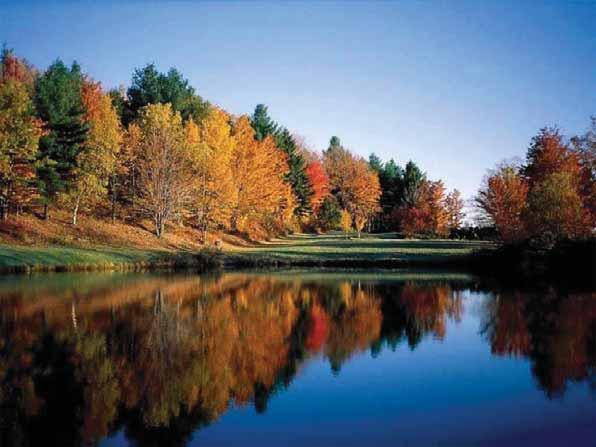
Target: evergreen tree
[[149, 86], [59, 104], [375, 163], [262, 123], [391, 179], [329, 214], [334, 143], [297, 176], [412, 180], [118, 97]]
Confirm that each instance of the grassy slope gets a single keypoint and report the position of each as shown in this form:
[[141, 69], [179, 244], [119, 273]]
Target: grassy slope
[[29, 243]]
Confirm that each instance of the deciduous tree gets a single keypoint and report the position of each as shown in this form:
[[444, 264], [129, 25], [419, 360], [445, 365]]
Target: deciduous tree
[[15, 69], [96, 164], [212, 148], [345, 222], [19, 138], [162, 163], [454, 206], [502, 199], [554, 206], [260, 171], [319, 183]]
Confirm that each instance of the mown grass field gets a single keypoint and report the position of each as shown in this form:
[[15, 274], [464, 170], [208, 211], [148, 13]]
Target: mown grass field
[[384, 250], [377, 249]]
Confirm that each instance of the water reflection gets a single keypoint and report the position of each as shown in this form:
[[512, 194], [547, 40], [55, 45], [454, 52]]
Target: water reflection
[[84, 356]]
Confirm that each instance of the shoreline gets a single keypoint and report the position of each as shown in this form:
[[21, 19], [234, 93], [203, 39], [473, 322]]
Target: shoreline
[[26, 260], [508, 262]]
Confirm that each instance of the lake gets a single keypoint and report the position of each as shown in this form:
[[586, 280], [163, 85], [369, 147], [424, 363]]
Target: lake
[[294, 358]]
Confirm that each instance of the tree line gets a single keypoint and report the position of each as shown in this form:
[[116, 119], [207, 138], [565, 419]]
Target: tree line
[[158, 150]]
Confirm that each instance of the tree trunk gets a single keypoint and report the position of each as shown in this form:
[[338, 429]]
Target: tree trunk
[[113, 199], [159, 225], [75, 211], [46, 212]]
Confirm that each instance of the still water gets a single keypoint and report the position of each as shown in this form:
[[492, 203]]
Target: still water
[[294, 358]]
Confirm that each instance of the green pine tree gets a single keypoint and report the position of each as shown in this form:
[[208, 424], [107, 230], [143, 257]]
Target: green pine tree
[[149, 86], [59, 104]]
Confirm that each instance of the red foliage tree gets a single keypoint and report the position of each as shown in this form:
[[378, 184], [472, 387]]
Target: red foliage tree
[[319, 183]]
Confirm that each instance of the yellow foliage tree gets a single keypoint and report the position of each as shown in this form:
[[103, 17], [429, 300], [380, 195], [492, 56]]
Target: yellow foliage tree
[[162, 164], [19, 138], [345, 222], [212, 147], [97, 162]]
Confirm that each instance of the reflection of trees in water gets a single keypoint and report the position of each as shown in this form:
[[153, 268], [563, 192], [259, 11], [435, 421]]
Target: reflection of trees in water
[[167, 357], [556, 331], [412, 311]]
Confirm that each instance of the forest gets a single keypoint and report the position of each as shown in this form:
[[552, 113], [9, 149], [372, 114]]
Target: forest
[[158, 151]]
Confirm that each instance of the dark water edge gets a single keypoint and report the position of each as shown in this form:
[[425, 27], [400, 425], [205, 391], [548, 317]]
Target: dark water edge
[[295, 357]]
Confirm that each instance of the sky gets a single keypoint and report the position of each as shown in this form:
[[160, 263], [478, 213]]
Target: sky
[[456, 86]]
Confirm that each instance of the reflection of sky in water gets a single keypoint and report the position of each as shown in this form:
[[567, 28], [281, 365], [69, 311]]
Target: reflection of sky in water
[[449, 390]]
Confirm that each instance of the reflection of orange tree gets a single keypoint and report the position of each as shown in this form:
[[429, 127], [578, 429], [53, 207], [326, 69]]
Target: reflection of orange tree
[[208, 352], [508, 329], [355, 327], [563, 342], [557, 332], [427, 308], [164, 351]]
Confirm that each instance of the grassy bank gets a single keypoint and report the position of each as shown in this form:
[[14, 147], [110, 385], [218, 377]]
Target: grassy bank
[[19, 259], [384, 250]]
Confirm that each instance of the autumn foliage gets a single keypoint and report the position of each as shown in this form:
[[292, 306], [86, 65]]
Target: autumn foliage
[[549, 198], [158, 151]]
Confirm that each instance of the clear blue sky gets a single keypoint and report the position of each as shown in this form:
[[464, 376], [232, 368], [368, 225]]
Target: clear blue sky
[[456, 86]]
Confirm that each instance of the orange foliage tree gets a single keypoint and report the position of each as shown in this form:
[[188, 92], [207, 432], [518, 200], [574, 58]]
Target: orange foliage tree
[[15, 69], [429, 215], [502, 200], [355, 185], [555, 203], [265, 200]]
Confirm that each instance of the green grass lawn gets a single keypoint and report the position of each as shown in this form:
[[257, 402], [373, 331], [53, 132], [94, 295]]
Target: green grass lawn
[[384, 250], [375, 248], [41, 258]]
